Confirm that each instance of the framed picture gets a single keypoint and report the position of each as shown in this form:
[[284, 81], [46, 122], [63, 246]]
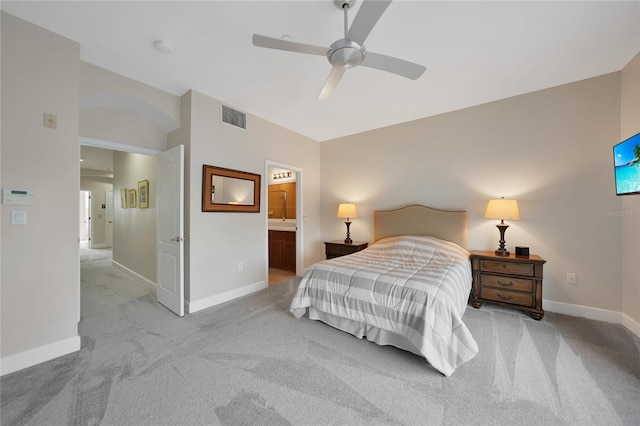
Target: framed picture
[[143, 194], [132, 198], [123, 198]]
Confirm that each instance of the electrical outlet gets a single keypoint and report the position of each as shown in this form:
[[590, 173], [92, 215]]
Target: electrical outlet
[[50, 120], [571, 278], [240, 266]]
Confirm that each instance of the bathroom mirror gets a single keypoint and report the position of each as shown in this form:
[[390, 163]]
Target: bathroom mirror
[[227, 190]]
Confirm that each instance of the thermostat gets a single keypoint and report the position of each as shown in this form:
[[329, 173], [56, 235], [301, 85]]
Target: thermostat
[[18, 196]]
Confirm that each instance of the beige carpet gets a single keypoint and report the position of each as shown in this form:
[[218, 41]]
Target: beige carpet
[[250, 362]]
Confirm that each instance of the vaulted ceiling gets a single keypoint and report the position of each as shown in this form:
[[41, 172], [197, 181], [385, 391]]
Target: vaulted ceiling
[[475, 52]]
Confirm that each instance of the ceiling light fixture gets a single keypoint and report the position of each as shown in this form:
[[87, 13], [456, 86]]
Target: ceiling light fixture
[[163, 46], [282, 175]]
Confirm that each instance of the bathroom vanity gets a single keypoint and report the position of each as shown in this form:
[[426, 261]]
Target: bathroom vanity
[[282, 247]]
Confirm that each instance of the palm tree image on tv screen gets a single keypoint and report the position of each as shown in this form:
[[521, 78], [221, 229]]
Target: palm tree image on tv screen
[[626, 157]]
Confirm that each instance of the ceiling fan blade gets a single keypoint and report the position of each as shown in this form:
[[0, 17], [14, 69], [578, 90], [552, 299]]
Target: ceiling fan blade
[[332, 81], [393, 65], [369, 13], [290, 46]]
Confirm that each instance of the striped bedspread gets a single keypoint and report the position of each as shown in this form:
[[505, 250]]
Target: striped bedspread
[[416, 287]]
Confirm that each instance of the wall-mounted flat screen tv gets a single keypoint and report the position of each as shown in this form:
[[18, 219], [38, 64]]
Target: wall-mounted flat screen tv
[[626, 159]]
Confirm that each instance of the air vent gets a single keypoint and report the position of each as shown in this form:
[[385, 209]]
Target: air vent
[[234, 117]]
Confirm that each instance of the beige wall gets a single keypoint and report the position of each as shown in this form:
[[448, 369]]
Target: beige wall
[[219, 241], [107, 97], [630, 125], [134, 230], [121, 126], [551, 150], [117, 109], [39, 265]]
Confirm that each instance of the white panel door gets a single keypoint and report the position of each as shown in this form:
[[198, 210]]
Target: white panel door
[[109, 224], [170, 230]]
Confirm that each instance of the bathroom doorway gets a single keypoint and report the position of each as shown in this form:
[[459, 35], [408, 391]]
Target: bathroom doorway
[[283, 224]]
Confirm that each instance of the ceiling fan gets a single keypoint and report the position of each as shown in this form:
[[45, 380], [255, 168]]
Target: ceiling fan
[[349, 52]]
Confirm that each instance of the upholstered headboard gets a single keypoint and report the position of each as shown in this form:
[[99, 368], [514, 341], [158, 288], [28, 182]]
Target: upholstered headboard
[[450, 225]]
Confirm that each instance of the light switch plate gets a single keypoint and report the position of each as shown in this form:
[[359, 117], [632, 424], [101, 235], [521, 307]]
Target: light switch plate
[[18, 217]]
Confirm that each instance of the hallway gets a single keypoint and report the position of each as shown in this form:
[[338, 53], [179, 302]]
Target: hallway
[[104, 288]]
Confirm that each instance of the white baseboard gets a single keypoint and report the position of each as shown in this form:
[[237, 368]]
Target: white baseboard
[[100, 246], [135, 276], [198, 305], [28, 358], [593, 313], [631, 324]]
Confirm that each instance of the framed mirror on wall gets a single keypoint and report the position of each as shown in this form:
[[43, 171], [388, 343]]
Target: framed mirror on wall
[[228, 190]]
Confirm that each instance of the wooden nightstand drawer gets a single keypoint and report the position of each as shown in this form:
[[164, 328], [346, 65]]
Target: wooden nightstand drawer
[[511, 297], [505, 267], [341, 250], [338, 248], [506, 283]]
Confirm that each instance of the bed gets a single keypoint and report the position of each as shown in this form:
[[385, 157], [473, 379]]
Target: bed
[[409, 289]]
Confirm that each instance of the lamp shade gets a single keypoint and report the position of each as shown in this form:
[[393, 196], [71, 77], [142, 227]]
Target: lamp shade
[[347, 210], [502, 209]]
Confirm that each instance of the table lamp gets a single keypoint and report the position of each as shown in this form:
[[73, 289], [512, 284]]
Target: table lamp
[[347, 210], [502, 209]]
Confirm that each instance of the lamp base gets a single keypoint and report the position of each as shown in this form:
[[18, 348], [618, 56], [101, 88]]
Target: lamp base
[[348, 240], [502, 251]]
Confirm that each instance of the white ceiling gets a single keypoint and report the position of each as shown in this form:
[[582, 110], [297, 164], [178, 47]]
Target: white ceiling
[[94, 158], [475, 52]]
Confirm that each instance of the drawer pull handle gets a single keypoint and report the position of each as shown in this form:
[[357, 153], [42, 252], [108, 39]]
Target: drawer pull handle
[[502, 283], [505, 297], [505, 266]]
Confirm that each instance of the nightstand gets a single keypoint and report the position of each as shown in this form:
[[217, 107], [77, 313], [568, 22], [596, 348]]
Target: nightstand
[[512, 281], [339, 248]]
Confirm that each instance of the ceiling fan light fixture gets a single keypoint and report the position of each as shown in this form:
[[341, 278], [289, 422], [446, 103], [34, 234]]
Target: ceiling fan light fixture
[[346, 53]]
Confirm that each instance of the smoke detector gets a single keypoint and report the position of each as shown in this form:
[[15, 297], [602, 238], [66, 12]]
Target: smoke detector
[[163, 46]]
